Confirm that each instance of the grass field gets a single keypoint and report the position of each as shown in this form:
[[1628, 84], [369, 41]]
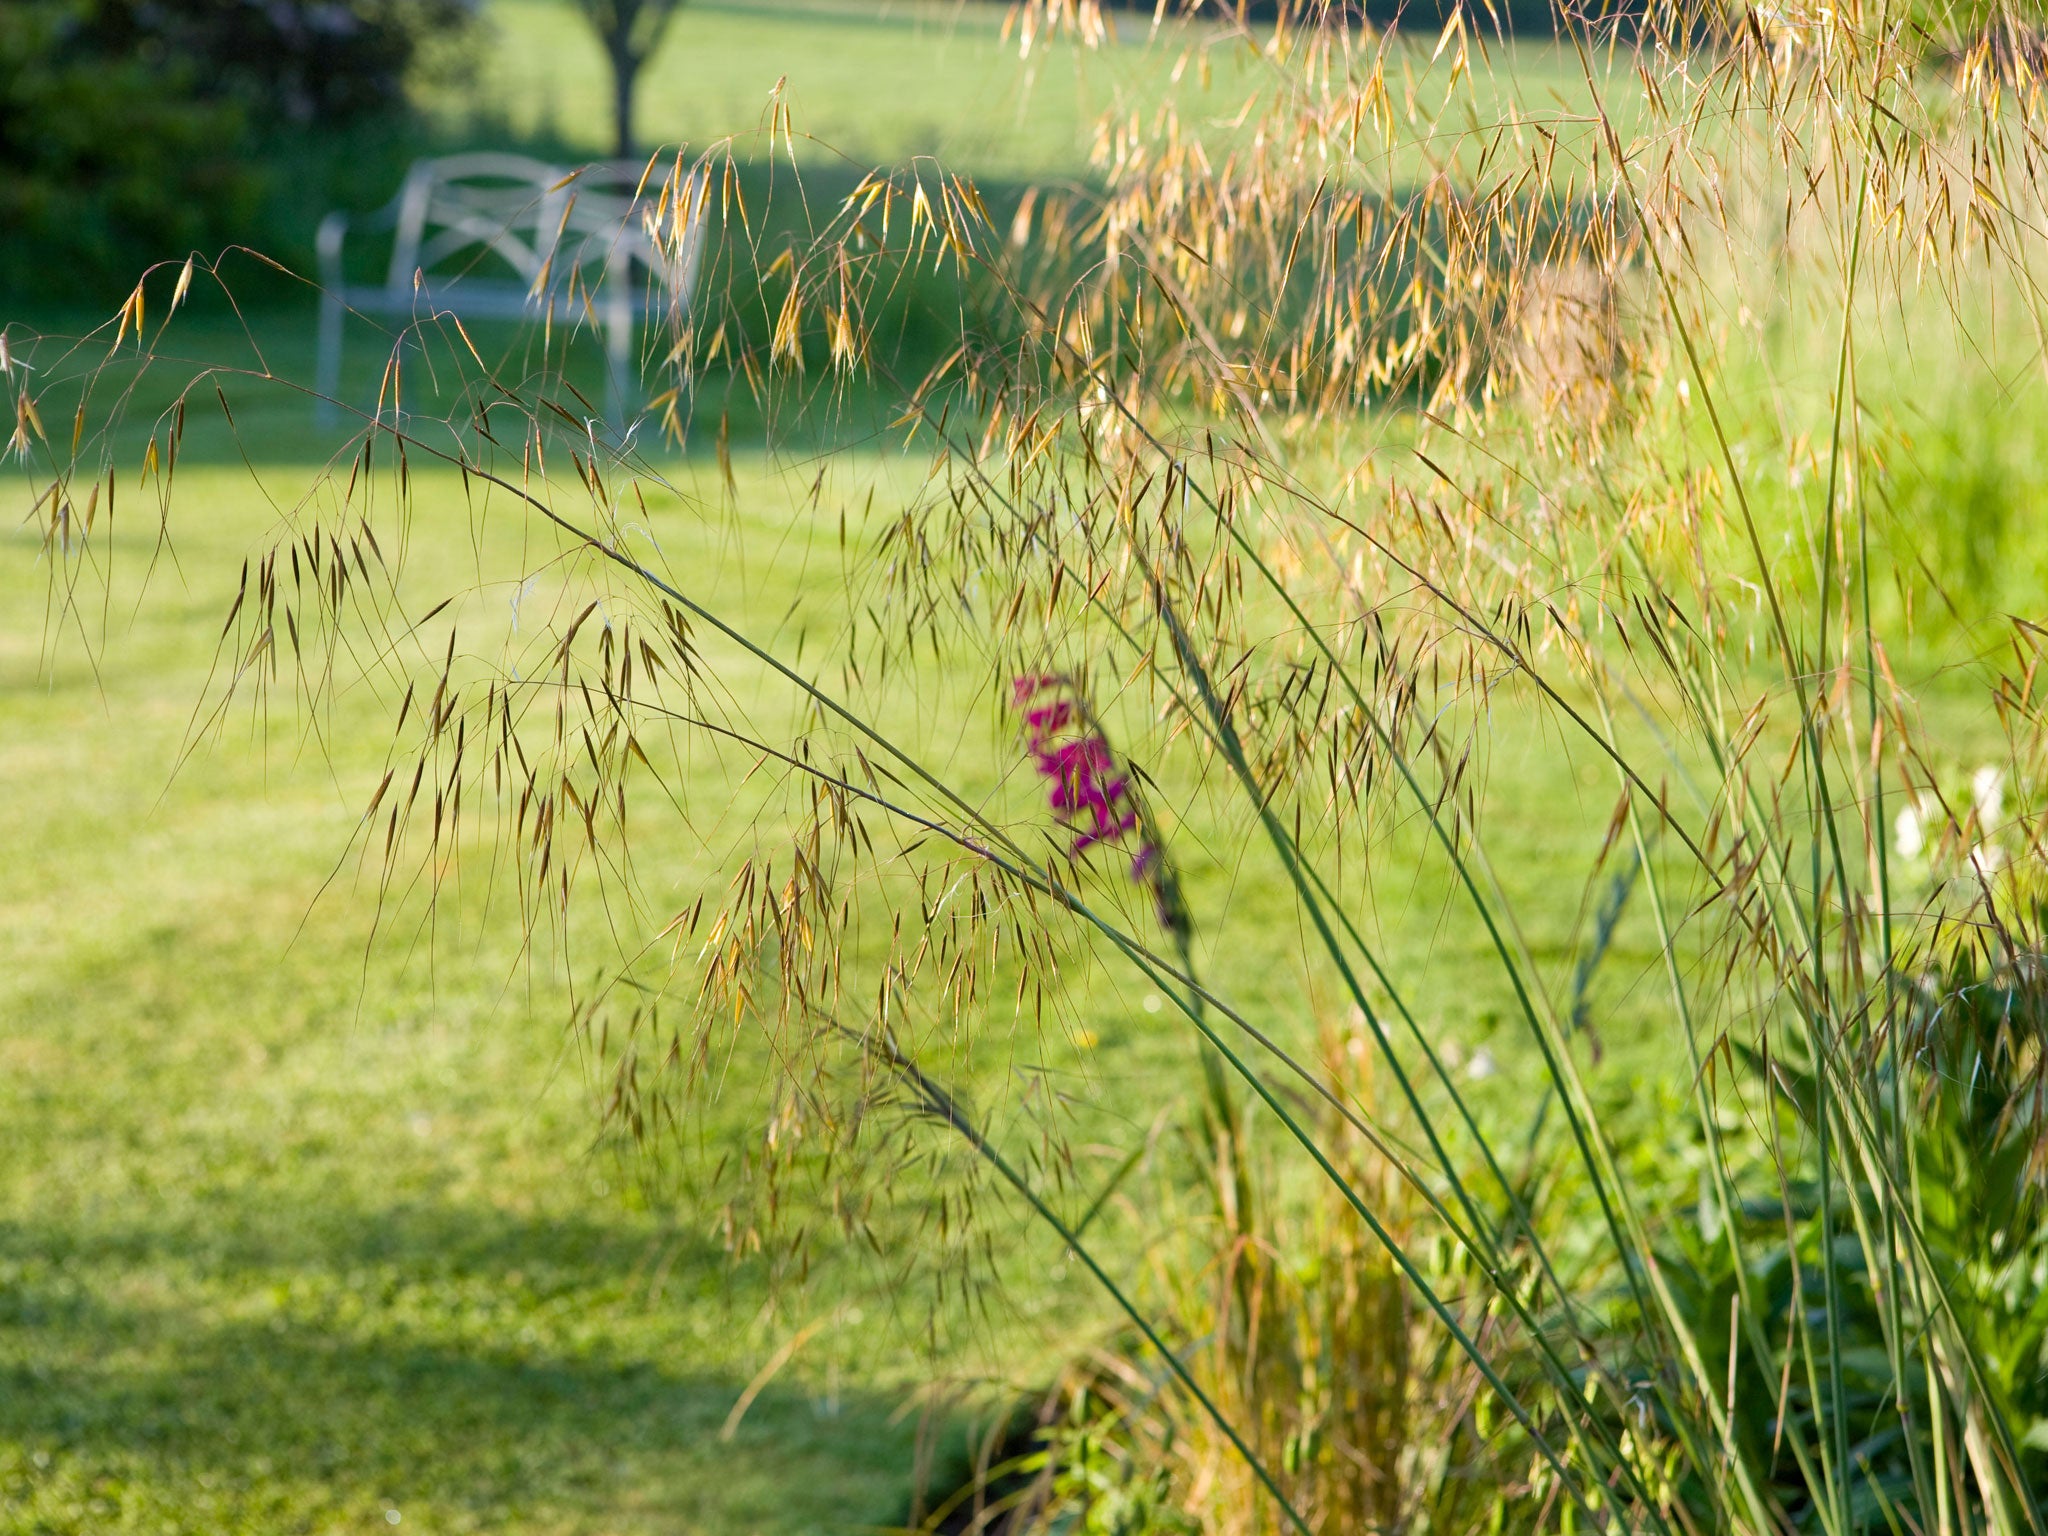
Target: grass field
[[295, 1237], [286, 1250], [880, 84], [299, 1234], [875, 84], [305, 1232]]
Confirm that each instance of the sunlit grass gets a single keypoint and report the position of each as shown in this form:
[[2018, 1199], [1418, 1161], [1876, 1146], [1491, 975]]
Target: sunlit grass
[[301, 1225], [294, 1228], [879, 85]]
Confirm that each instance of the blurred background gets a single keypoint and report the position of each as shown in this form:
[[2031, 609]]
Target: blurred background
[[134, 131]]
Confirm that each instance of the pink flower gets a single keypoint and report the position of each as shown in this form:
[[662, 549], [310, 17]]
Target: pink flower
[[1087, 791], [1090, 794]]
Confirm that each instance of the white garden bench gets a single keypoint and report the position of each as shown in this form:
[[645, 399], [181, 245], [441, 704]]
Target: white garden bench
[[498, 236]]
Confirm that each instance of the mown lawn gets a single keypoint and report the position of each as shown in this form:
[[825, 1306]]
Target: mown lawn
[[305, 1220], [302, 1229], [879, 84], [306, 1230], [296, 1235]]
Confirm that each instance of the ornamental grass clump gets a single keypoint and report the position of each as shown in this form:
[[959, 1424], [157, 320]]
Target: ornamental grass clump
[[1243, 631]]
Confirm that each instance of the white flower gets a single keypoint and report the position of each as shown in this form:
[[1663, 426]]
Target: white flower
[[1987, 793], [1918, 825], [1908, 836], [1481, 1066]]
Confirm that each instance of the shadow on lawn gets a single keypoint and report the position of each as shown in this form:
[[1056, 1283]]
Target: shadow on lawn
[[453, 1357]]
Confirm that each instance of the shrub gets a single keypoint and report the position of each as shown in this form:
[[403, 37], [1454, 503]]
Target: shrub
[[134, 131], [107, 163]]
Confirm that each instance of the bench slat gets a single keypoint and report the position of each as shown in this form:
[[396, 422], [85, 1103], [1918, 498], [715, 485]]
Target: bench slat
[[498, 236]]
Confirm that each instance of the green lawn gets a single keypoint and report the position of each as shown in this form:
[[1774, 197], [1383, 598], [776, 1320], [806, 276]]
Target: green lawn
[[873, 83], [295, 1233], [869, 83], [298, 1228], [301, 1232]]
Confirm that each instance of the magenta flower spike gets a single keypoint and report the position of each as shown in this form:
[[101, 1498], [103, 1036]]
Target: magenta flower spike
[[1090, 794]]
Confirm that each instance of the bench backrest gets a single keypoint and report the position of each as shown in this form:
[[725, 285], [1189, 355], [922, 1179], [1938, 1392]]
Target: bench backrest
[[507, 219]]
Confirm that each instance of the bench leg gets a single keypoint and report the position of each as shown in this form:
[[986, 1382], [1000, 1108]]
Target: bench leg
[[620, 396]]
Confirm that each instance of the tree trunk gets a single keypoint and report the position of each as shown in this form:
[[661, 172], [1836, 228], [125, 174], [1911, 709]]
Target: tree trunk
[[625, 75]]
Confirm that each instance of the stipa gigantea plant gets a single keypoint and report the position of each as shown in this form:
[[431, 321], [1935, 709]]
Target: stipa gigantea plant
[[1286, 462]]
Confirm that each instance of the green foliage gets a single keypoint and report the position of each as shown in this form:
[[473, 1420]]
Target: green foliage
[[1362, 599], [135, 132], [1097, 1480], [1965, 467], [304, 62], [1962, 1105], [108, 162]]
